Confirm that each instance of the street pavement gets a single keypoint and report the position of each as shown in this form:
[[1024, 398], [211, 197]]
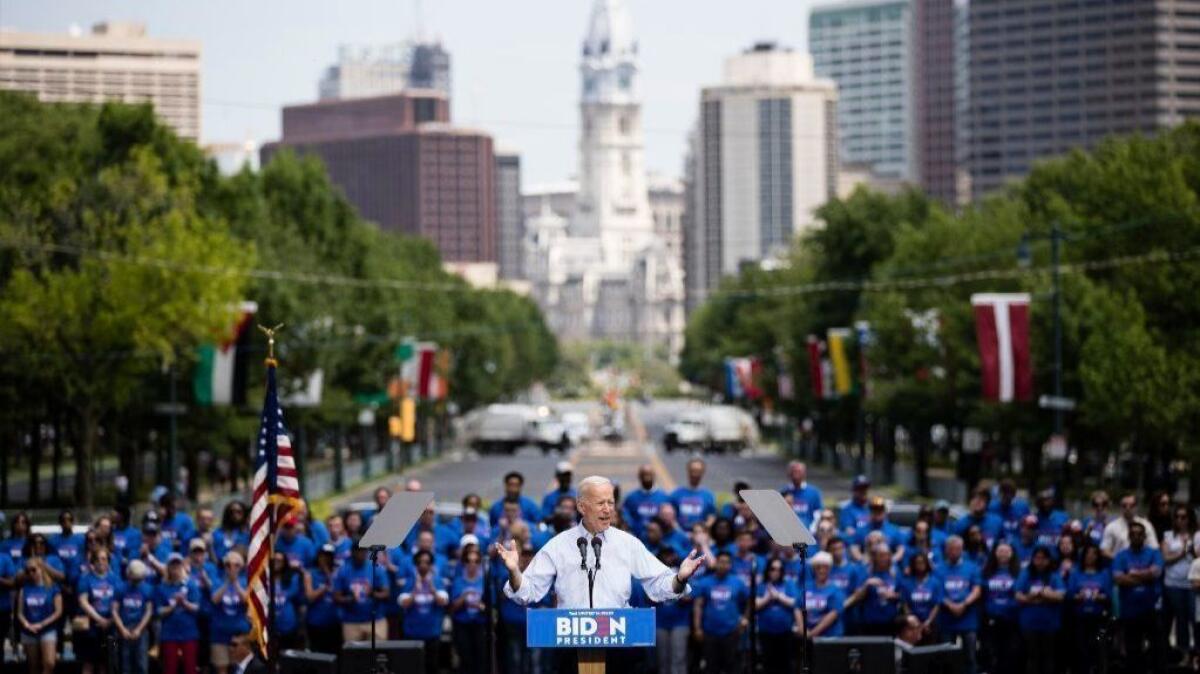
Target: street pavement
[[462, 471]]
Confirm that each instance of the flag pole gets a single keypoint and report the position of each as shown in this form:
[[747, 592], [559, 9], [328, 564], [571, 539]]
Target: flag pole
[[272, 640]]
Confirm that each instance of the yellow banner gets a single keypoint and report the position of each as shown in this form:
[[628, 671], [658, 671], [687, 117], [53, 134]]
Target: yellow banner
[[836, 339]]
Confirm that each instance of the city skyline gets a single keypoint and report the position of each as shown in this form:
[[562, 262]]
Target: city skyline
[[259, 57]]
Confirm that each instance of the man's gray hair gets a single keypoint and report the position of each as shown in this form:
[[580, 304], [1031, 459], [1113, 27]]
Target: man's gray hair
[[954, 539], [591, 481]]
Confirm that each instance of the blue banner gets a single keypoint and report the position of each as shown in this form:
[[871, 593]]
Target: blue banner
[[589, 628]]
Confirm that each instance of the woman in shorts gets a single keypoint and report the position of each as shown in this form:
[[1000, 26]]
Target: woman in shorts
[[39, 606]]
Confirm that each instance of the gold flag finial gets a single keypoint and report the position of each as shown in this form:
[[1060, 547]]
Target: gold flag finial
[[270, 333]]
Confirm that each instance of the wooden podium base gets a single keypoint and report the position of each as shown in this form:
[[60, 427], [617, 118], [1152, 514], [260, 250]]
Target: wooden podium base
[[591, 661]]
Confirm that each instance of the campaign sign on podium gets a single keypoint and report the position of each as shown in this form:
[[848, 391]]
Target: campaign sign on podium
[[589, 628]]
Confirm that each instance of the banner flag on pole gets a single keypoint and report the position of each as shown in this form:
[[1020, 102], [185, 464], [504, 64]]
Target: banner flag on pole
[[1002, 330], [816, 373], [837, 338], [220, 377]]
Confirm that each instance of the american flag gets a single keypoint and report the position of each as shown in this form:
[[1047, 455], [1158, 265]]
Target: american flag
[[277, 486]]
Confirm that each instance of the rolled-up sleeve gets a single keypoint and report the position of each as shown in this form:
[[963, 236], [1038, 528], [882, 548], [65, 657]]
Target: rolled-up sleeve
[[536, 579], [657, 579]]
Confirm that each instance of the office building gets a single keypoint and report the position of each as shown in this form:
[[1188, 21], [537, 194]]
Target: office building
[[367, 71], [866, 47], [1049, 76], [765, 158], [510, 219], [403, 166], [935, 105], [116, 61]]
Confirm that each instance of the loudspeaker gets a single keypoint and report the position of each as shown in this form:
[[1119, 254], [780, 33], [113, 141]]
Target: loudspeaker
[[307, 662], [854, 655], [939, 659], [398, 656]]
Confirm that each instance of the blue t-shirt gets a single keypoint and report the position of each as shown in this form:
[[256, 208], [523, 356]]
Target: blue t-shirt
[[742, 566], [1138, 600], [641, 506], [958, 581], [70, 550], [892, 534], [224, 540], [229, 611], [1050, 526], [1024, 551], [470, 589], [1090, 592], [671, 614], [134, 599], [819, 602], [1010, 515], [287, 597], [806, 501], [877, 609], [318, 533], [127, 542], [101, 591], [999, 598], [1042, 617], [693, 505], [322, 612], [775, 618], [300, 551], [1093, 528], [550, 500], [847, 576], [38, 604], [921, 596], [724, 601], [989, 524], [357, 582], [180, 624], [530, 511], [423, 618], [8, 572], [178, 530], [852, 517], [14, 548]]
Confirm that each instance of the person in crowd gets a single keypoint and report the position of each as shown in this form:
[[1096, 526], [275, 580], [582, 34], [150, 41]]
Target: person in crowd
[[652, 537], [961, 590], [1179, 544], [287, 598], [1089, 594], [338, 538], [855, 513], [975, 548], [1066, 556], [776, 606], [847, 575], [381, 496], [1039, 592], [154, 551], [921, 591], [321, 615], [39, 607], [514, 482], [720, 533], [177, 527], [135, 609], [228, 611], [824, 601], [8, 583], [297, 547], [1001, 632], [642, 505], [737, 510], [127, 538], [673, 535], [1159, 513], [806, 499], [355, 590], [517, 657], [468, 612], [1116, 533], [178, 602], [101, 535], [353, 522], [989, 523], [70, 549], [38, 547], [746, 562], [879, 595], [671, 622], [719, 617], [313, 526], [205, 524], [424, 604], [1093, 526], [1050, 520], [469, 522], [1137, 572], [921, 541], [941, 523], [232, 534], [1011, 508], [18, 530], [1025, 541], [563, 474], [97, 590], [878, 521], [205, 574], [693, 502]]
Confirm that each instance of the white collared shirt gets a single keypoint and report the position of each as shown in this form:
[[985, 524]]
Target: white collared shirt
[[623, 559]]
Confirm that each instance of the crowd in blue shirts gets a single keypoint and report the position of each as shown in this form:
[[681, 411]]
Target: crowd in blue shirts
[[1022, 587]]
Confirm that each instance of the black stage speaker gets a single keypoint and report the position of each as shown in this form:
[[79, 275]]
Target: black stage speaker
[[307, 662], [854, 655], [401, 656], [939, 659]]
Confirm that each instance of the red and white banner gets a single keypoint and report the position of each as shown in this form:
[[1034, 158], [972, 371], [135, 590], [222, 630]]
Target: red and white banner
[[1002, 330]]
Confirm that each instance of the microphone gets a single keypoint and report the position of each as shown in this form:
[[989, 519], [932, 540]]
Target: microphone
[[596, 543], [581, 542]]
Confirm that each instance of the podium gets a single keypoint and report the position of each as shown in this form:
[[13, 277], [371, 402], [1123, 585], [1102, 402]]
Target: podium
[[590, 631]]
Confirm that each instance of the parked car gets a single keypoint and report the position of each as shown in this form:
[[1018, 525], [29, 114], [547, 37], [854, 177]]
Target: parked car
[[503, 429], [712, 428], [578, 427]]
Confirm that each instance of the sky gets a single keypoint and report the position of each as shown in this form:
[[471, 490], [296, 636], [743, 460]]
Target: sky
[[515, 63]]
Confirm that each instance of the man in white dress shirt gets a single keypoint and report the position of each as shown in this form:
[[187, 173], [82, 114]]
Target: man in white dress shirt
[[623, 559]]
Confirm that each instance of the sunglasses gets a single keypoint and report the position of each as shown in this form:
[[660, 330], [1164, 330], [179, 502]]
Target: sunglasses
[[1099, 504]]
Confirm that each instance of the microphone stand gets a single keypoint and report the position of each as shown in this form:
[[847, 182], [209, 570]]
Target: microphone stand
[[381, 664], [805, 651]]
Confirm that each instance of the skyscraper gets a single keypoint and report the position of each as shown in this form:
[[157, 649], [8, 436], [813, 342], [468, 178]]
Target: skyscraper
[[865, 46], [115, 62], [1048, 76], [765, 158], [362, 72], [510, 220], [936, 118]]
